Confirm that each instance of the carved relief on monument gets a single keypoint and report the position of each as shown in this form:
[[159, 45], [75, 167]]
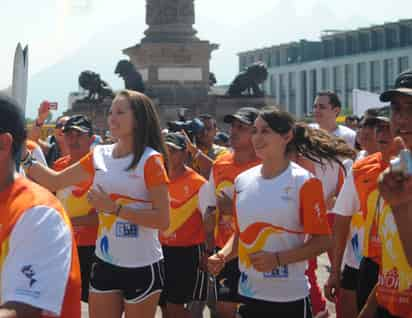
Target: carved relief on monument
[[160, 12]]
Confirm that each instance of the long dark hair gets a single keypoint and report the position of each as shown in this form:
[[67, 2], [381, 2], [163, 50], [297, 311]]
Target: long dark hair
[[316, 145], [146, 131]]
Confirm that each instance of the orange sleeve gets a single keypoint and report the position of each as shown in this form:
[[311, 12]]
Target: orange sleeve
[[155, 172], [87, 163], [313, 208], [341, 180]]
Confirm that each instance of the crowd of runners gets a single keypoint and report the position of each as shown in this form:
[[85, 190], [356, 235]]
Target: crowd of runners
[[148, 217]]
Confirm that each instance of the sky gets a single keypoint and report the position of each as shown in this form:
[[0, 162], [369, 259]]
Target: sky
[[57, 29]]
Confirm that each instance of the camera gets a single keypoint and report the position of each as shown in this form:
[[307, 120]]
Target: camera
[[191, 127], [402, 163]]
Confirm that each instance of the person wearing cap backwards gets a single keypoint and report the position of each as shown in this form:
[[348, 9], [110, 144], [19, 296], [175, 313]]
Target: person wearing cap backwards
[[78, 134], [183, 241], [358, 195], [39, 266], [219, 217], [393, 297]]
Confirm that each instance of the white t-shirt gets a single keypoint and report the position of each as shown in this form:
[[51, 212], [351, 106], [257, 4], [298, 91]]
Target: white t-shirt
[[276, 215], [348, 204], [36, 268], [341, 131], [120, 242]]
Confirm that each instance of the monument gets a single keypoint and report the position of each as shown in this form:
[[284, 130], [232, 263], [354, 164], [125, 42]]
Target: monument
[[173, 62]]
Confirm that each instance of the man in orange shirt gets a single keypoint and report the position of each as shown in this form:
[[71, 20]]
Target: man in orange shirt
[[393, 297], [183, 241], [78, 136], [38, 256], [224, 171]]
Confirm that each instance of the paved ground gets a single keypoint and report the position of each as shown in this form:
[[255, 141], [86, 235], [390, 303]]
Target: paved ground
[[322, 276]]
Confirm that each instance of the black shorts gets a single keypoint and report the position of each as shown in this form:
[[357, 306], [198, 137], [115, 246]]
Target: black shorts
[[184, 281], [383, 313], [86, 258], [349, 280], [227, 282], [135, 284], [368, 277], [254, 308]]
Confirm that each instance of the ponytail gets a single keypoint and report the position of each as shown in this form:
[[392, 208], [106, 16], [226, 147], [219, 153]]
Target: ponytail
[[316, 145]]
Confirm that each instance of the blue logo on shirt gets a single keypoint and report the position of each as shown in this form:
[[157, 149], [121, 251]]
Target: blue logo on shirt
[[279, 272], [125, 229]]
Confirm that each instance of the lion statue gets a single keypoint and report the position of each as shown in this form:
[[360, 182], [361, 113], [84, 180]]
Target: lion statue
[[247, 82], [98, 89], [132, 78]]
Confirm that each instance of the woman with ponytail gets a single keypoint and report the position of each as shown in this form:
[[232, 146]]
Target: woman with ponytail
[[281, 218]]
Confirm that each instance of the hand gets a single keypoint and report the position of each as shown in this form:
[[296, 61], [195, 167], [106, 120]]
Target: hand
[[332, 286], [263, 262], [224, 203], [395, 187], [43, 112], [330, 202], [101, 201], [215, 264]]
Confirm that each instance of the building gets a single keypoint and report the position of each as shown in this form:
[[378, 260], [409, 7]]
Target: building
[[366, 58]]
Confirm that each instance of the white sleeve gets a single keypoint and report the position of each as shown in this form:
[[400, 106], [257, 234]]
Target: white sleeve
[[37, 154], [36, 270], [210, 193], [347, 202], [203, 198]]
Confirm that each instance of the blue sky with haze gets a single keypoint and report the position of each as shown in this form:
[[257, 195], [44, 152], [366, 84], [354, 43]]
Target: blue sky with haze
[[57, 30]]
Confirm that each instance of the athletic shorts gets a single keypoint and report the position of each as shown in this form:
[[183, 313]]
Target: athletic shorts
[[368, 277], [383, 313], [184, 281], [254, 308], [349, 280], [227, 283], [86, 258], [135, 284]]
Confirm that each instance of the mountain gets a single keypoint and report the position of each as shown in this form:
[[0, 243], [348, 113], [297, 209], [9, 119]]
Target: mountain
[[284, 23]]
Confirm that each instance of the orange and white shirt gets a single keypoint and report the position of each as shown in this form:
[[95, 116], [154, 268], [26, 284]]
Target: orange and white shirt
[[276, 215], [222, 176], [74, 200], [394, 291], [187, 205], [359, 193], [120, 242], [39, 265]]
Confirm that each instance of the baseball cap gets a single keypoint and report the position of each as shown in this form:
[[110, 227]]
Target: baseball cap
[[246, 115], [403, 85], [80, 123], [176, 140]]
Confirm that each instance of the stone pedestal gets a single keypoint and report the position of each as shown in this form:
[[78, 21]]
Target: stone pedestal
[[175, 73], [173, 62]]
